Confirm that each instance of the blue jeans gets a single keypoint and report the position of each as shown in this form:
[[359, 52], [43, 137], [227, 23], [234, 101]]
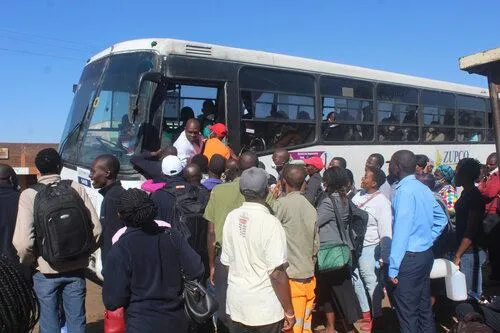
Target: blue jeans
[[366, 278], [49, 289], [470, 264]]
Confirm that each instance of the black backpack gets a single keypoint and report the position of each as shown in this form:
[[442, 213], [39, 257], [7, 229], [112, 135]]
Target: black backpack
[[63, 226], [189, 207], [473, 322]]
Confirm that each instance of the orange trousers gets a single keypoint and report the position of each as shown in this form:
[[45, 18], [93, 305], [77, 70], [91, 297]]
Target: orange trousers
[[303, 300]]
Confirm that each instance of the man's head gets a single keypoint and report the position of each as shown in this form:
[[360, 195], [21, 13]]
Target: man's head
[[339, 162], [294, 177], [350, 178], [313, 165], [8, 175], [372, 180], [253, 184], [248, 160], [375, 161], [218, 130], [208, 107], [169, 151], [186, 114], [467, 171], [202, 161], [427, 179], [217, 166], [280, 158], [491, 162], [232, 169], [48, 162], [171, 166], [192, 174], [104, 170], [330, 118], [192, 130], [402, 164], [421, 163]]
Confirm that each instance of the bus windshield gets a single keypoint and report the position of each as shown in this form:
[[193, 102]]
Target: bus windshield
[[104, 96]]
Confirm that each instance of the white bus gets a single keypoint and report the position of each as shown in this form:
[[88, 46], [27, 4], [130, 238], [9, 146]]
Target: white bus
[[129, 97]]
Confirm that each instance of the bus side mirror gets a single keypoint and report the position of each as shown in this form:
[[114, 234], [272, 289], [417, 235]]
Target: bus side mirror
[[155, 77]]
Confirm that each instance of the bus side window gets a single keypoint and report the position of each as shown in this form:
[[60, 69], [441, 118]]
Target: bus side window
[[438, 116], [471, 118], [397, 113], [347, 109], [277, 109]]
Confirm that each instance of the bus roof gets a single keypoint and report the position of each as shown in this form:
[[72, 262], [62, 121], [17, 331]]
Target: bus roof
[[165, 46]]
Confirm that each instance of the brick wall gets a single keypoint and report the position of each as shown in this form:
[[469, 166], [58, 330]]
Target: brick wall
[[23, 154]]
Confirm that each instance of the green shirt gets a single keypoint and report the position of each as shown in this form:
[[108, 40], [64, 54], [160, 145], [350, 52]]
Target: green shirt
[[224, 198], [298, 218]]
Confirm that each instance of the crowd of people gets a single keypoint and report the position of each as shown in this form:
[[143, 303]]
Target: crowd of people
[[274, 251]]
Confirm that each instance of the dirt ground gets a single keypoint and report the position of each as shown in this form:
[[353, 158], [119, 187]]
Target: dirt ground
[[444, 313], [95, 308]]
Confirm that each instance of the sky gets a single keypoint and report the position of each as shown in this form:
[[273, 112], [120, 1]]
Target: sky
[[44, 43]]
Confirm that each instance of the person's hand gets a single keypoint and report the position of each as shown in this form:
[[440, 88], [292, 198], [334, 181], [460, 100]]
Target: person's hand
[[276, 190], [289, 323], [157, 153], [211, 276], [456, 261], [394, 281]]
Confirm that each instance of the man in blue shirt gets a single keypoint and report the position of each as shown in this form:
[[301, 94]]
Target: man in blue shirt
[[418, 221]]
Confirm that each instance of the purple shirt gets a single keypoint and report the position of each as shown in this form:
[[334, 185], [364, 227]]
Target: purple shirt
[[210, 183]]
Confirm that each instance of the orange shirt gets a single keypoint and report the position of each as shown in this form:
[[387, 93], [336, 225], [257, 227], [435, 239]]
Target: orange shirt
[[215, 146]]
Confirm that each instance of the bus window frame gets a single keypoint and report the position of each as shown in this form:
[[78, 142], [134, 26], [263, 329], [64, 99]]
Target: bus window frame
[[317, 110], [322, 121], [399, 124], [482, 129]]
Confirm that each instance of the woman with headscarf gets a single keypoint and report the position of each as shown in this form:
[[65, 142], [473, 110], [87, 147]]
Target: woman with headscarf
[[444, 187], [145, 268]]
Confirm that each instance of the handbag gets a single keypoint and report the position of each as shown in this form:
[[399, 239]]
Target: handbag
[[199, 305], [336, 256], [114, 321], [333, 257]]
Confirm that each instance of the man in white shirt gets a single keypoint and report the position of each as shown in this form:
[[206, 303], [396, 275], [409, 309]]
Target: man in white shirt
[[376, 245], [376, 160], [254, 249], [189, 142]]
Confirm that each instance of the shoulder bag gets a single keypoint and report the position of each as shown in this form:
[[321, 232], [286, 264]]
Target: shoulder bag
[[199, 305], [335, 256]]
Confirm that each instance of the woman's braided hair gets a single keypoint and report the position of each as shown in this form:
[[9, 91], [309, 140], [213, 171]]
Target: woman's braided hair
[[19, 307], [136, 208]]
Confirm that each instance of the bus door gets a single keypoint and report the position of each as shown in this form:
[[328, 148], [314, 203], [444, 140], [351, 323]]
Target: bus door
[[192, 99]]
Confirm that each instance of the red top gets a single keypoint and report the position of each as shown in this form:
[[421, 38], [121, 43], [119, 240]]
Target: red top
[[490, 189]]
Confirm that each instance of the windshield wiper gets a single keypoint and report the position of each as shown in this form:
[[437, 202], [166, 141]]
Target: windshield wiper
[[70, 134]]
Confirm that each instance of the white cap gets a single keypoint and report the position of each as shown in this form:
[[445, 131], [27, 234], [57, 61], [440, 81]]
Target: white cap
[[171, 165]]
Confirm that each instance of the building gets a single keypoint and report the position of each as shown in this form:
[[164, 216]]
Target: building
[[21, 156]]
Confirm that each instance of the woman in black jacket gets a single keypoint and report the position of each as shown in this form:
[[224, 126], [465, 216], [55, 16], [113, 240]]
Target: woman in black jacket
[[143, 269]]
